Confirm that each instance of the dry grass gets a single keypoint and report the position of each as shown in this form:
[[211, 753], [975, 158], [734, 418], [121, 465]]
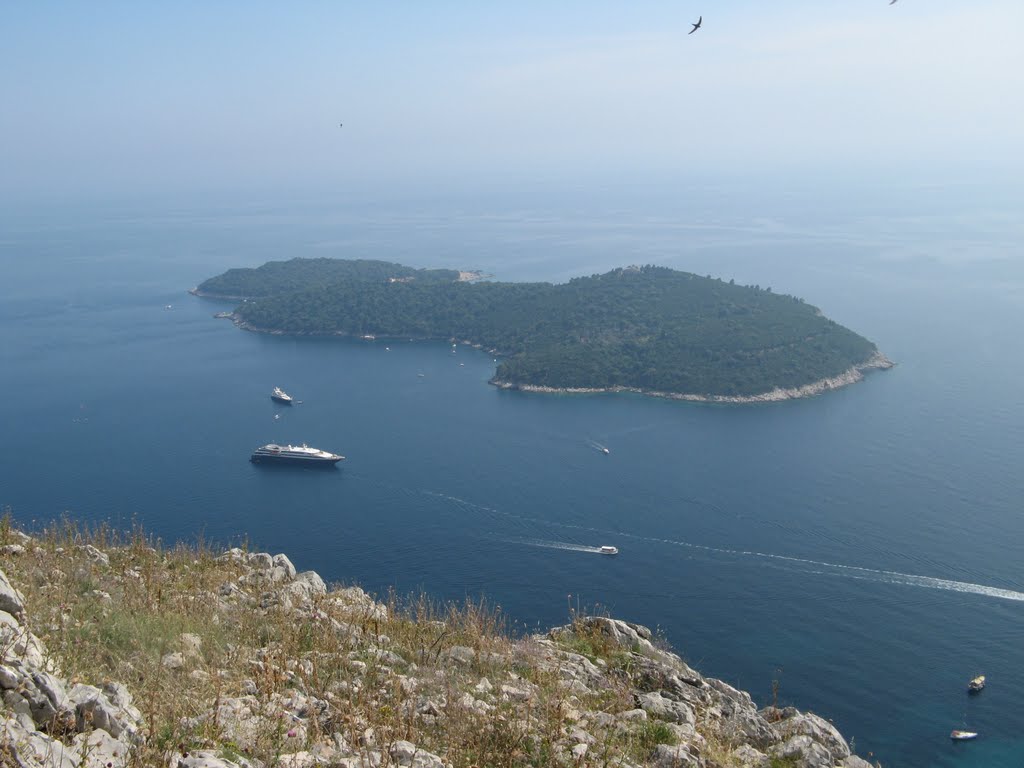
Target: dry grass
[[371, 676]]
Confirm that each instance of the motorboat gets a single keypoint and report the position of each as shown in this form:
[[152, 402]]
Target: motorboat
[[606, 550], [976, 684], [963, 735]]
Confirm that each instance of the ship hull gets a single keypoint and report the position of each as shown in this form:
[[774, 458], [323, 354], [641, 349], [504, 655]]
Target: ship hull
[[294, 460]]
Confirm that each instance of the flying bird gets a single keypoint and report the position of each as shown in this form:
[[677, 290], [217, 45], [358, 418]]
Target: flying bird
[[697, 25]]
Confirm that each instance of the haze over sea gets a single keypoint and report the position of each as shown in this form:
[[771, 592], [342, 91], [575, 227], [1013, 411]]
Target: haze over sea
[[862, 547]]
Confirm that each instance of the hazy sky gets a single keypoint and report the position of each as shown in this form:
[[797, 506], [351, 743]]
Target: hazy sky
[[111, 98]]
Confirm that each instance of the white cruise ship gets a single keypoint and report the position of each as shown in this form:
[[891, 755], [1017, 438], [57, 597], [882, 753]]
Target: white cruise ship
[[294, 454]]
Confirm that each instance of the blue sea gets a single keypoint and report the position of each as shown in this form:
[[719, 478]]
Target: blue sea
[[862, 548]]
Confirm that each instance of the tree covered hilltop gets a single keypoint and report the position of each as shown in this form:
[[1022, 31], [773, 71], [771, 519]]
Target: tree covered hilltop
[[643, 328]]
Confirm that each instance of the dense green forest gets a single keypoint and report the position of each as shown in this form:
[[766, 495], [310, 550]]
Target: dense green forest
[[279, 277], [650, 328]]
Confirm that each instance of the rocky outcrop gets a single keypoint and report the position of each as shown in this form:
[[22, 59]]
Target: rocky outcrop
[[599, 691], [47, 723], [852, 375]]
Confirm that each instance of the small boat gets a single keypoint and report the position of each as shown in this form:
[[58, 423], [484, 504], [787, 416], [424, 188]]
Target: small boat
[[605, 451], [606, 550], [976, 684], [281, 396], [963, 735]]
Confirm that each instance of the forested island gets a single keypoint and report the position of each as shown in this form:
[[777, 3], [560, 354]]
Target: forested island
[[640, 328]]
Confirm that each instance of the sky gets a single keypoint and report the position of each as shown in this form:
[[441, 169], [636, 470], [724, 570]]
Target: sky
[[122, 98]]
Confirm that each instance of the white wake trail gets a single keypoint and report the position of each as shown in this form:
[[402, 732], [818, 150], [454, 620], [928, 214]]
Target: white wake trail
[[834, 569], [557, 545], [855, 571]]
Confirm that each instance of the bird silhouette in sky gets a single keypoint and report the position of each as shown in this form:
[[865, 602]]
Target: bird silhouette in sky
[[697, 25]]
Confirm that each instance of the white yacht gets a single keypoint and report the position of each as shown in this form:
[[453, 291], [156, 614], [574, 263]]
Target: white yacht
[[606, 550], [963, 735], [281, 396]]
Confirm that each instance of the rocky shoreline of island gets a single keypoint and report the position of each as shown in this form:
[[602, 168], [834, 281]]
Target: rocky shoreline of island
[[878, 361]]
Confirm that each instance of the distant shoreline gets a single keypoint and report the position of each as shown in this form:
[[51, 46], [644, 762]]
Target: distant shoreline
[[465, 276], [877, 362], [852, 375]]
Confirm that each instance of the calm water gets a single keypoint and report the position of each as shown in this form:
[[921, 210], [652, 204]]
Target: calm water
[[863, 547]]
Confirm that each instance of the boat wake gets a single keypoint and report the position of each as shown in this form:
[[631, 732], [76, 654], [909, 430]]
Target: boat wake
[[556, 545], [876, 575], [856, 572]]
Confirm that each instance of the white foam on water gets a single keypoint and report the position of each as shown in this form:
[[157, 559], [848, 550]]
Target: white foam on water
[[557, 545], [813, 566]]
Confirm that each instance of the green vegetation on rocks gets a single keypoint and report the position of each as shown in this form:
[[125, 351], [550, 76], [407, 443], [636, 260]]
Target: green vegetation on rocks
[[648, 329]]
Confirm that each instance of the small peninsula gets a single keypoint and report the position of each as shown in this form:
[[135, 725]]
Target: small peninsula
[[644, 329]]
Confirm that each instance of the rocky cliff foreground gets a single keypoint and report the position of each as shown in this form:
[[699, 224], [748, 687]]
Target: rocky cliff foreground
[[116, 652]]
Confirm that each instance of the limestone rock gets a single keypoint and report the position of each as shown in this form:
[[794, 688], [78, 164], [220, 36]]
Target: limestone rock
[[17, 643], [95, 555], [516, 693], [674, 756], [665, 709], [484, 686], [174, 661], [460, 654], [748, 757], [818, 729], [633, 714], [93, 709], [261, 561], [282, 561], [99, 749], [306, 586], [205, 758], [21, 747], [803, 752], [11, 600], [405, 753]]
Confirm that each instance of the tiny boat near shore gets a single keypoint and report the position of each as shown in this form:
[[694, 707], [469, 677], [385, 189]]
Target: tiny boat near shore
[[963, 735], [606, 550], [976, 684]]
